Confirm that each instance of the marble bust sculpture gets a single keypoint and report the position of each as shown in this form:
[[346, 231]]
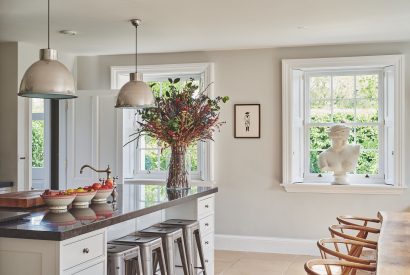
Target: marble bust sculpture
[[341, 157]]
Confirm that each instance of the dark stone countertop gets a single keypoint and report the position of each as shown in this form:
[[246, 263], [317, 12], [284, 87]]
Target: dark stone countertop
[[4, 184], [139, 200]]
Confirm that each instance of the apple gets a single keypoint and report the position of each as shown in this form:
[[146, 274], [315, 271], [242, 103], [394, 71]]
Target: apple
[[96, 186], [109, 182]]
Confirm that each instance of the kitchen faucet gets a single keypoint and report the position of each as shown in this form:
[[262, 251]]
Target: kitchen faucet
[[108, 170]]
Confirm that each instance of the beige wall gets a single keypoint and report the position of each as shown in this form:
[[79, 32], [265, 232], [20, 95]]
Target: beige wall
[[8, 107], [15, 58], [248, 171]]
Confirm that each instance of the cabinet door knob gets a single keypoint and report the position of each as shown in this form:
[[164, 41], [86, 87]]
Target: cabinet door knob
[[206, 206], [206, 261], [86, 250], [206, 242], [207, 224]]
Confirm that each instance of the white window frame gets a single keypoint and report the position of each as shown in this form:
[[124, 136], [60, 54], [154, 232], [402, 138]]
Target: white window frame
[[40, 177], [292, 182], [158, 72]]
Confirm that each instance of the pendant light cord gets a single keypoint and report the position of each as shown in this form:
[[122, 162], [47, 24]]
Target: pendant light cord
[[136, 48], [48, 24]]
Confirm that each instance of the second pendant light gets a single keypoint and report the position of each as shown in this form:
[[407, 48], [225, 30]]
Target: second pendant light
[[135, 93]]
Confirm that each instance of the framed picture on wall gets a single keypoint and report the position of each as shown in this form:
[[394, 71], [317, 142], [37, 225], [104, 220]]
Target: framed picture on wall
[[247, 120]]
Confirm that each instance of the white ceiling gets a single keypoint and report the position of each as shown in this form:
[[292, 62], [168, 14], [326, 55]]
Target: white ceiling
[[187, 25]]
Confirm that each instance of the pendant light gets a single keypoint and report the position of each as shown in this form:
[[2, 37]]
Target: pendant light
[[47, 78], [135, 93]]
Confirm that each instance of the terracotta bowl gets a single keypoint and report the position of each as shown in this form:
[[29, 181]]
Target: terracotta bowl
[[58, 203], [102, 195], [83, 199]]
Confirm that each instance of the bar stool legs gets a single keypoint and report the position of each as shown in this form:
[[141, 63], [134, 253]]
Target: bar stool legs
[[192, 235]]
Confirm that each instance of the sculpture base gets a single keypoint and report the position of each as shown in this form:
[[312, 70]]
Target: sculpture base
[[340, 180]]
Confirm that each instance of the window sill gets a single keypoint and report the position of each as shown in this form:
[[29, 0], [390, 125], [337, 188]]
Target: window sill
[[162, 182], [326, 188]]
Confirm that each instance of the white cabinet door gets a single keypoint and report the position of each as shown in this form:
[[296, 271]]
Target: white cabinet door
[[92, 136], [97, 269]]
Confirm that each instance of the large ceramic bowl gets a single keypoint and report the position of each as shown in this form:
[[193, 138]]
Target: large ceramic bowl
[[83, 199], [102, 195], [58, 203]]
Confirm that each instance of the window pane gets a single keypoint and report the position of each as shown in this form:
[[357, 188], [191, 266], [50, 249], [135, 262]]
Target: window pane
[[164, 159], [37, 106], [37, 143], [319, 138], [367, 86], [151, 143], [192, 157], [320, 87], [343, 110], [314, 166], [368, 163], [367, 110], [343, 86], [150, 160], [320, 111], [367, 137]]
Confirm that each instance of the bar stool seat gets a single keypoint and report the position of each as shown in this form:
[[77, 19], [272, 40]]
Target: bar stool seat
[[123, 259], [150, 247], [192, 234], [170, 236]]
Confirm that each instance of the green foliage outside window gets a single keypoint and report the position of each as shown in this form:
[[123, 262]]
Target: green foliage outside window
[[38, 143], [345, 105]]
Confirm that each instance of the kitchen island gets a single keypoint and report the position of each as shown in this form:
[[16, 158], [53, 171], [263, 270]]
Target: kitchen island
[[74, 242]]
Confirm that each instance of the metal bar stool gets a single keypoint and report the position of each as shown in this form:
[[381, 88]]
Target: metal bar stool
[[150, 247], [192, 234], [123, 259], [170, 236]]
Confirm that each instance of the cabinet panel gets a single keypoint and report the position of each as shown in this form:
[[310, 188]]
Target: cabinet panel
[[96, 269], [83, 250], [206, 207], [207, 224]]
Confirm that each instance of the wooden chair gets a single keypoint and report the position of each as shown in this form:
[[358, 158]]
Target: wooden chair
[[333, 267], [351, 253], [355, 220], [340, 231]]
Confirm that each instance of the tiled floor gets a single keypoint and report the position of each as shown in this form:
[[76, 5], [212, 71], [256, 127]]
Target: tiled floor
[[247, 263]]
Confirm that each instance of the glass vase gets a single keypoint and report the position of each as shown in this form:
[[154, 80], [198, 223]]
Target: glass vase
[[177, 174]]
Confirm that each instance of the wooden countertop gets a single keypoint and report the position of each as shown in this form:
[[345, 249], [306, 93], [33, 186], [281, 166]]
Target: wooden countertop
[[393, 249]]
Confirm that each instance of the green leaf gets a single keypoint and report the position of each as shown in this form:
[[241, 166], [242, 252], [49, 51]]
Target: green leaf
[[170, 80], [176, 80]]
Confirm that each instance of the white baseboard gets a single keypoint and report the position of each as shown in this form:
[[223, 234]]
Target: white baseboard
[[266, 244]]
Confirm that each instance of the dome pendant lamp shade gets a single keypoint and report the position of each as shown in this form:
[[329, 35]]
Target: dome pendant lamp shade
[[47, 78], [135, 94]]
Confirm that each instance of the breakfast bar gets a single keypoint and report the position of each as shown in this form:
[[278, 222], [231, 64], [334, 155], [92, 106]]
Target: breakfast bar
[[74, 242]]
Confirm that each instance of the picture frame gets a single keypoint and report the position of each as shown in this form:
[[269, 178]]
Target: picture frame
[[247, 120]]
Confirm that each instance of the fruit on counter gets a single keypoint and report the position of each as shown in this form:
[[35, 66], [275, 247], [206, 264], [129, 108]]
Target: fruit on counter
[[106, 187], [70, 191], [110, 183], [96, 186], [80, 190], [57, 193]]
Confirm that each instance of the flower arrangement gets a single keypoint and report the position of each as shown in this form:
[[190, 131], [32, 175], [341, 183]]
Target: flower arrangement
[[179, 118]]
